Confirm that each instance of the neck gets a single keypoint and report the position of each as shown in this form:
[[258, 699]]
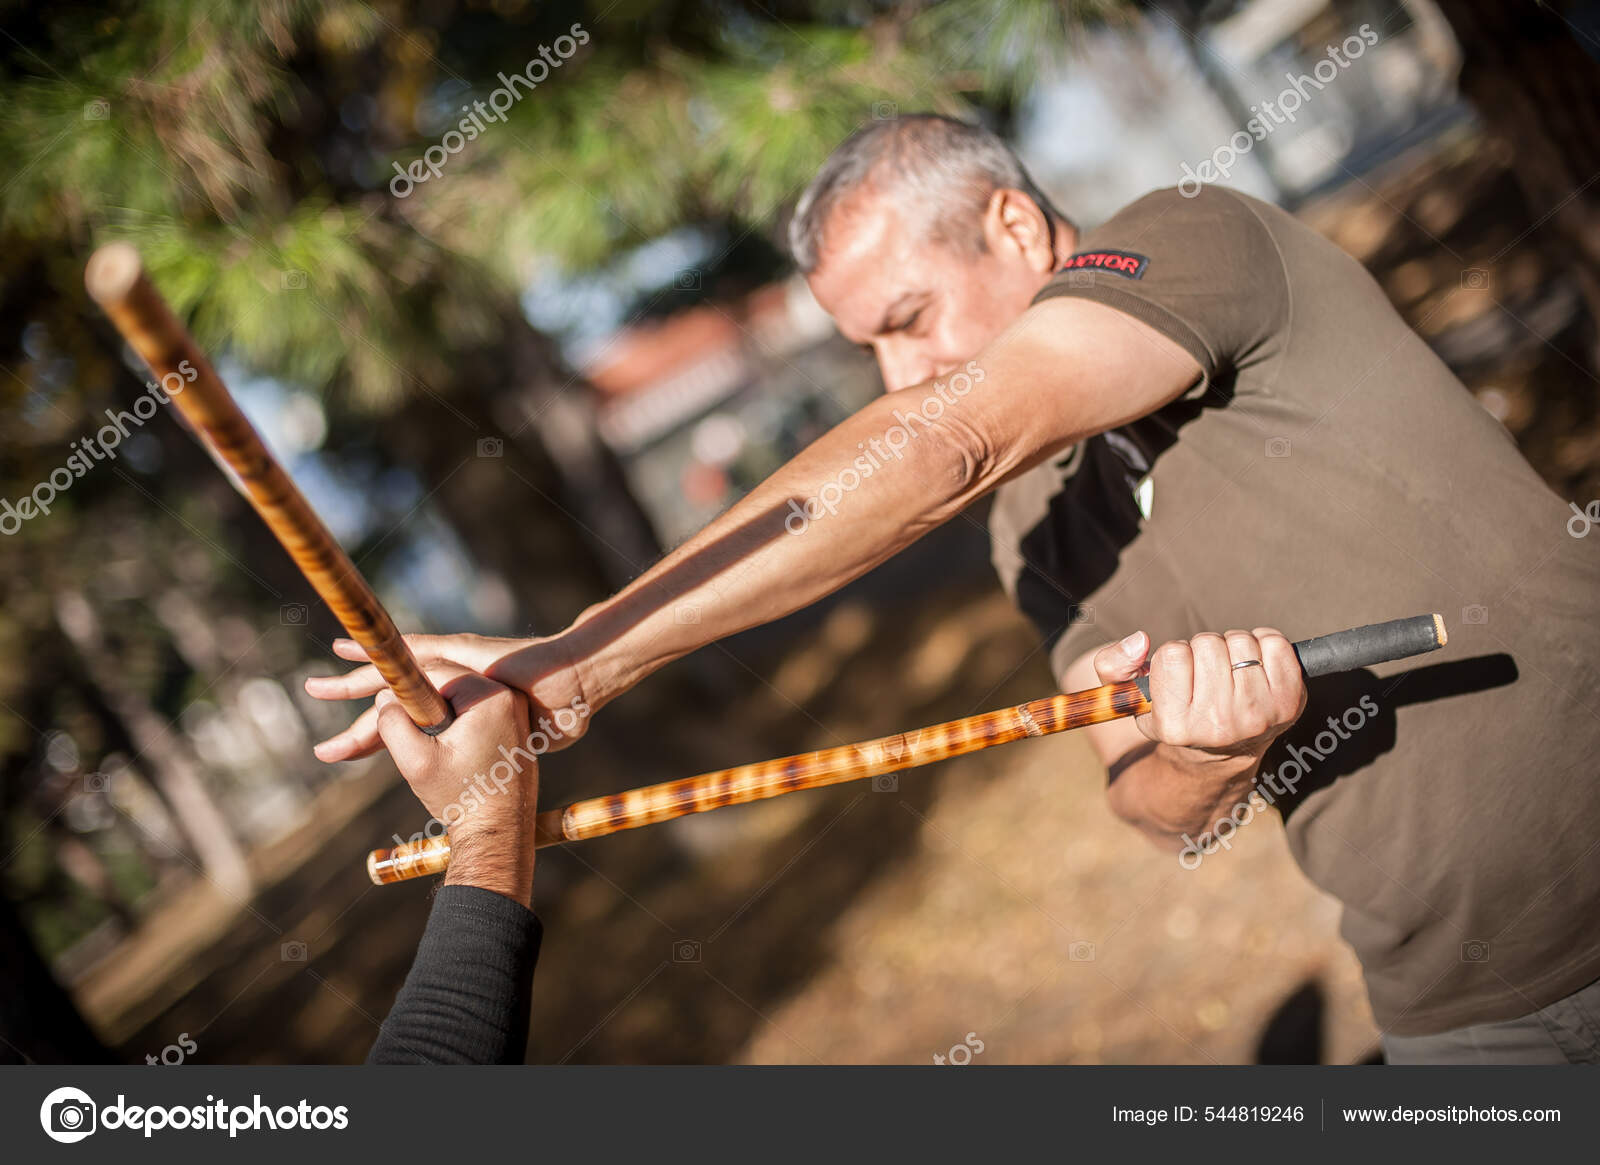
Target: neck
[[1063, 242]]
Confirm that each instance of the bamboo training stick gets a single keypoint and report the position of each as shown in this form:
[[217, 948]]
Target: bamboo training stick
[[116, 281], [1342, 651], [599, 816]]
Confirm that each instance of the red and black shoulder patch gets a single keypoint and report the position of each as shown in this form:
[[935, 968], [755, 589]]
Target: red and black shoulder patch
[[1124, 263]]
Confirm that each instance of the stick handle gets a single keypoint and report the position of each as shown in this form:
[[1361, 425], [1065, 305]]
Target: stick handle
[[598, 816], [1362, 646], [116, 281]]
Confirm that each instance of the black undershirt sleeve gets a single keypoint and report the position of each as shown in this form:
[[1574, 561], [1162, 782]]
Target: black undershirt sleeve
[[468, 997]]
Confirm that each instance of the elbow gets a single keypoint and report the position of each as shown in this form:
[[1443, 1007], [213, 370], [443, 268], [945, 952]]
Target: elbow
[[944, 462], [1131, 801], [1161, 834], [960, 459], [1124, 807]]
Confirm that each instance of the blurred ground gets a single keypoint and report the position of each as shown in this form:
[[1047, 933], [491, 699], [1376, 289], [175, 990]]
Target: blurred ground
[[993, 895]]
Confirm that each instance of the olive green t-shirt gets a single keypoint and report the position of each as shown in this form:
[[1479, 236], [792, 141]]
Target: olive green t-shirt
[[1326, 471]]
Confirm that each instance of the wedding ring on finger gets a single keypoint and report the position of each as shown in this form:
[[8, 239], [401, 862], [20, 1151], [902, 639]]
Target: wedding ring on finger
[[1244, 663]]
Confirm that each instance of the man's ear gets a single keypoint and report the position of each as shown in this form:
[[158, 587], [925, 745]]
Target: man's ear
[[1014, 223]]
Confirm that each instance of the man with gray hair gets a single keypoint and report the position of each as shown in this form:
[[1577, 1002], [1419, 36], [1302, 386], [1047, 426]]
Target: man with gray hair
[[1199, 415], [949, 167]]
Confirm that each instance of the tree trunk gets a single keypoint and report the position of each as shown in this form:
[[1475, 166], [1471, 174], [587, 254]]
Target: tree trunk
[[161, 751], [1527, 71]]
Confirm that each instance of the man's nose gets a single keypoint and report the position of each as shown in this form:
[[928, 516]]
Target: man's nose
[[902, 367]]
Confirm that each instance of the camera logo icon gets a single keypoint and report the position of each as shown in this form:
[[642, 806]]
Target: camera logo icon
[[491, 447], [1081, 952], [685, 951], [67, 1115], [1475, 279], [1278, 447], [886, 783], [687, 280], [292, 952], [1475, 613], [293, 614], [97, 110], [294, 280]]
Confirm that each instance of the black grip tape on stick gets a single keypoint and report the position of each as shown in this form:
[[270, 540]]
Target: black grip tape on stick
[[1375, 643], [1362, 646]]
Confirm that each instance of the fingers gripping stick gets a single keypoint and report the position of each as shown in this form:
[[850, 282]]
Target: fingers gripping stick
[[1361, 646]]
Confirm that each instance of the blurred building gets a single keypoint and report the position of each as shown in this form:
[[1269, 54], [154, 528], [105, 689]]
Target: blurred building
[[703, 404], [1150, 103]]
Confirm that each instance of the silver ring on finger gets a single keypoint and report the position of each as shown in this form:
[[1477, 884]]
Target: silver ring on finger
[[1244, 663]]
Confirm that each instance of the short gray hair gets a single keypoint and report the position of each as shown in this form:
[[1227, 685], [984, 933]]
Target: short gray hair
[[950, 166]]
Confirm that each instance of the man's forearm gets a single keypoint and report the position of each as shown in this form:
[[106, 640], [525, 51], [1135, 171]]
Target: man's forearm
[[774, 552], [1169, 792], [904, 464]]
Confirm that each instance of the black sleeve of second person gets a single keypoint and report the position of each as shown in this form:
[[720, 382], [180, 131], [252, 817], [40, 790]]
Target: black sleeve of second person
[[469, 995]]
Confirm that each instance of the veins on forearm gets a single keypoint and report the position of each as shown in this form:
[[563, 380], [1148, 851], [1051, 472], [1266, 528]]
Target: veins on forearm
[[747, 567]]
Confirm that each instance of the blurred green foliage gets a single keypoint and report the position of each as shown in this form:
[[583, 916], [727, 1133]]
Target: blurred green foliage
[[244, 144]]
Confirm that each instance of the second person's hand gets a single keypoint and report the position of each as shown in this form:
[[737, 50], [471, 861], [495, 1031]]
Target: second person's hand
[[489, 816], [543, 670]]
